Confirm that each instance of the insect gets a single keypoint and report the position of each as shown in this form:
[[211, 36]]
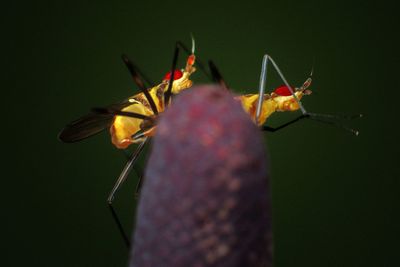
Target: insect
[[133, 120], [283, 98]]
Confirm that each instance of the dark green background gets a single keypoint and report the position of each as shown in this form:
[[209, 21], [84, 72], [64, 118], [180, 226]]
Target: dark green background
[[335, 196]]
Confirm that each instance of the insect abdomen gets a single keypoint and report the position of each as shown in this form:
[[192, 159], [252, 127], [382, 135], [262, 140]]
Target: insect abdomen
[[123, 128]]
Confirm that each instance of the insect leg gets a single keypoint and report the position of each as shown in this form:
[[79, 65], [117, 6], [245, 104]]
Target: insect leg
[[120, 227], [216, 75], [116, 112], [140, 176], [143, 77], [125, 172], [261, 89], [139, 173], [274, 129], [139, 82], [167, 94], [324, 118], [121, 179], [265, 59]]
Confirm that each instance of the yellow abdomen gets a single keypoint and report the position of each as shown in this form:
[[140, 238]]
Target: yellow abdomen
[[249, 104], [124, 127]]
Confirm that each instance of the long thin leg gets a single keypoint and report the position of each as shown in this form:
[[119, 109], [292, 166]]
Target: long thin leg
[[140, 176], [138, 172], [120, 227], [262, 86], [261, 89], [274, 129], [216, 75], [324, 118], [139, 82], [125, 172], [121, 179], [148, 82], [180, 45], [116, 112], [168, 93]]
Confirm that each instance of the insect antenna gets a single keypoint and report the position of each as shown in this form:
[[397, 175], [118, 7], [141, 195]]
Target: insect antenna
[[216, 75], [139, 82], [336, 116], [331, 119], [199, 63]]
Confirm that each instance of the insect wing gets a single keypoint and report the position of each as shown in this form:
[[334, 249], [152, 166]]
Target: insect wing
[[89, 125], [85, 127]]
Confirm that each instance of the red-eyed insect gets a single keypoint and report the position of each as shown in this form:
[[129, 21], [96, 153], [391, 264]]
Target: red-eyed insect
[[283, 98], [133, 120]]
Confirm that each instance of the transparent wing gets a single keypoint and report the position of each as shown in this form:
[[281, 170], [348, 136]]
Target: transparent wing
[[89, 125], [85, 127]]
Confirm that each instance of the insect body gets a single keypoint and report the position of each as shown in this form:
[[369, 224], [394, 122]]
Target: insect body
[[131, 120], [281, 99], [126, 130], [261, 106], [134, 119]]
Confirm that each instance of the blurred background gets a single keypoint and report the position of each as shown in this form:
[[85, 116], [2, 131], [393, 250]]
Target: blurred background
[[335, 196]]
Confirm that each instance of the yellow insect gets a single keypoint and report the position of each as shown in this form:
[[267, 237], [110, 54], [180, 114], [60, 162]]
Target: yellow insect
[[280, 100], [126, 130], [133, 120], [262, 105]]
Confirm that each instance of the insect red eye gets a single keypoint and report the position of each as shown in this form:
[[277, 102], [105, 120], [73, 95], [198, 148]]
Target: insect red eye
[[177, 75], [283, 91]]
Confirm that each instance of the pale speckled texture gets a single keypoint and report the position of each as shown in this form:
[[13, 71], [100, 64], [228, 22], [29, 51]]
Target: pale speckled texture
[[206, 198]]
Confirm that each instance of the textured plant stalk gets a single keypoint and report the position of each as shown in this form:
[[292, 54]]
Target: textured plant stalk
[[206, 199]]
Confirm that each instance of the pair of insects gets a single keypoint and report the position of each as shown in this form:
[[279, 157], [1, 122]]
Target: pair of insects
[[133, 121]]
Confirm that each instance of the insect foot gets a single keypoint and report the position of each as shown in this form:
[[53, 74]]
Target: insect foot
[[205, 200]]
